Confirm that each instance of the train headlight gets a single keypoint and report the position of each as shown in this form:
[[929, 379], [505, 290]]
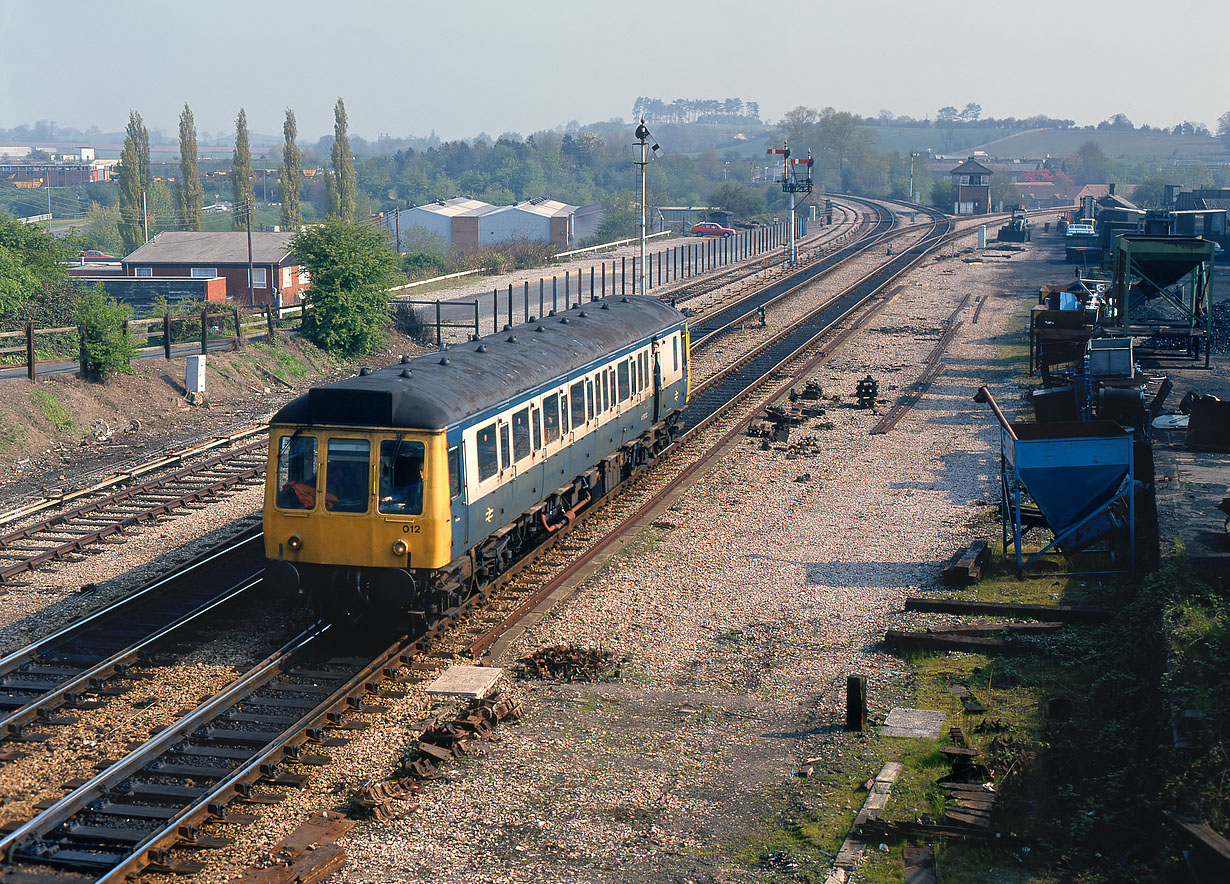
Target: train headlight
[[294, 541], [400, 548]]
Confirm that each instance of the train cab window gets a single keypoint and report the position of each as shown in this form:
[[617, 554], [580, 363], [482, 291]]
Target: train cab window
[[488, 456], [537, 422], [347, 467], [297, 473], [521, 434], [550, 418], [675, 350], [401, 477], [505, 449], [454, 472], [625, 389], [563, 413]]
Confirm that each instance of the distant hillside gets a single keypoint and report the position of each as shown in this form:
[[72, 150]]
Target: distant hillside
[[1040, 142]]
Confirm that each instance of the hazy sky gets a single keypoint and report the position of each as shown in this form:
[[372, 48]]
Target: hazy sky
[[459, 68]]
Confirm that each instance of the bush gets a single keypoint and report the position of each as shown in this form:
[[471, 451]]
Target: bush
[[346, 323], [407, 321], [106, 348]]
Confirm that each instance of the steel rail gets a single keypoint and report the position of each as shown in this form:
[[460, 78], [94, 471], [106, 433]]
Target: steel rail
[[80, 657], [159, 463], [901, 263]]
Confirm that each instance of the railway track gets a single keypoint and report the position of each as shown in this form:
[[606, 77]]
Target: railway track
[[63, 526], [130, 816], [71, 668]]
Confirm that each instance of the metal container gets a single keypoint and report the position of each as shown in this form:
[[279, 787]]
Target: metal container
[[1111, 357]]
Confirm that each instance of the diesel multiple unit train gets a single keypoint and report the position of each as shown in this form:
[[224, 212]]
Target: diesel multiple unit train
[[410, 487]]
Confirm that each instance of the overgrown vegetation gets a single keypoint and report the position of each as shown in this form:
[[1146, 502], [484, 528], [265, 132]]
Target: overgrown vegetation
[[106, 348], [351, 267], [53, 410]]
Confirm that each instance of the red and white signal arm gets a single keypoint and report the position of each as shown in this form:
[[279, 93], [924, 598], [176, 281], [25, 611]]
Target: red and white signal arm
[[806, 160], [784, 150]]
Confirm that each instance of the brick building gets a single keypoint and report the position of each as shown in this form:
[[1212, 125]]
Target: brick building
[[206, 255], [971, 188]]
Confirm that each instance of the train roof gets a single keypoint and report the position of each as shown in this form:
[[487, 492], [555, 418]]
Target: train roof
[[436, 391]]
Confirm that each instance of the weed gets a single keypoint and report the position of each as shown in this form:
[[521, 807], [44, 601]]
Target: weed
[[54, 411]]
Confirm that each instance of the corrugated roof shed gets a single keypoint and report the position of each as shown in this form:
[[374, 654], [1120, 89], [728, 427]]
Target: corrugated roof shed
[[458, 205], [211, 248]]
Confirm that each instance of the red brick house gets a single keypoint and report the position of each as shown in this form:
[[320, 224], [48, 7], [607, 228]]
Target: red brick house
[[206, 255], [971, 188]]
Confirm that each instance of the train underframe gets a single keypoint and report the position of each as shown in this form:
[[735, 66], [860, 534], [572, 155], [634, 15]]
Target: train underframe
[[346, 593]]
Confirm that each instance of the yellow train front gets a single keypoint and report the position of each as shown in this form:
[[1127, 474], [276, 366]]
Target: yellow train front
[[406, 488]]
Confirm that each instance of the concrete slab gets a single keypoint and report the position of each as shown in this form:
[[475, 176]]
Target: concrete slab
[[1190, 485], [903, 721], [471, 682]]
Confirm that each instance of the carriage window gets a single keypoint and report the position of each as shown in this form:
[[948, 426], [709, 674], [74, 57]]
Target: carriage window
[[488, 459], [505, 450], [297, 472], [644, 358], [537, 429], [454, 472], [589, 402], [521, 434], [550, 417], [401, 477], [632, 366], [578, 403], [622, 372], [675, 350], [602, 391], [563, 412], [347, 468]]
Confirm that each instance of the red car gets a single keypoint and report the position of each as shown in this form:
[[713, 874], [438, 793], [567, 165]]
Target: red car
[[95, 255], [711, 228]]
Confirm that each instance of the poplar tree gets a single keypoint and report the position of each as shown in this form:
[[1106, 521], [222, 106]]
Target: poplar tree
[[242, 193], [190, 197], [130, 185], [290, 175], [343, 165]]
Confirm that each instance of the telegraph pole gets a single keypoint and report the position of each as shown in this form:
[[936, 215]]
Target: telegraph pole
[[642, 142], [251, 294]]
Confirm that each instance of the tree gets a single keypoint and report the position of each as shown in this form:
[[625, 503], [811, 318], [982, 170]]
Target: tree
[[131, 187], [1223, 129], [190, 196], [343, 164], [971, 112], [946, 121], [841, 136], [290, 174], [106, 348], [102, 228], [352, 268], [799, 126], [1088, 165], [742, 200], [242, 192]]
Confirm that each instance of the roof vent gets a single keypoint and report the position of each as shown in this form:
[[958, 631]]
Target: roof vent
[[582, 313], [405, 372], [404, 359], [532, 319], [444, 360], [364, 371], [605, 306], [624, 299], [482, 348], [507, 326], [564, 320], [552, 313], [512, 339], [541, 328]]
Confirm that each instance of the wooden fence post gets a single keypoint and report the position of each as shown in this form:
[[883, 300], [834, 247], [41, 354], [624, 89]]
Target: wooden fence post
[[166, 334], [238, 332], [204, 332], [30, 349]]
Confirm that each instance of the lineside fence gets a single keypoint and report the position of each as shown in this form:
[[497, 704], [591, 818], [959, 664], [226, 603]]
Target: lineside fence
[[529, 301]]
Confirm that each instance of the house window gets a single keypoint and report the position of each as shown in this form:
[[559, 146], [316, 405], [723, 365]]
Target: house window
[[258, 277], [145, 271], [204, 272]]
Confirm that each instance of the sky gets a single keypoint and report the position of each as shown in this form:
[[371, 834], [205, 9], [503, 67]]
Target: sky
[[461, 68]]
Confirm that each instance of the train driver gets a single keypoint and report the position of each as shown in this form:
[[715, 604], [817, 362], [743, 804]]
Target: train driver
[[407, 498]]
